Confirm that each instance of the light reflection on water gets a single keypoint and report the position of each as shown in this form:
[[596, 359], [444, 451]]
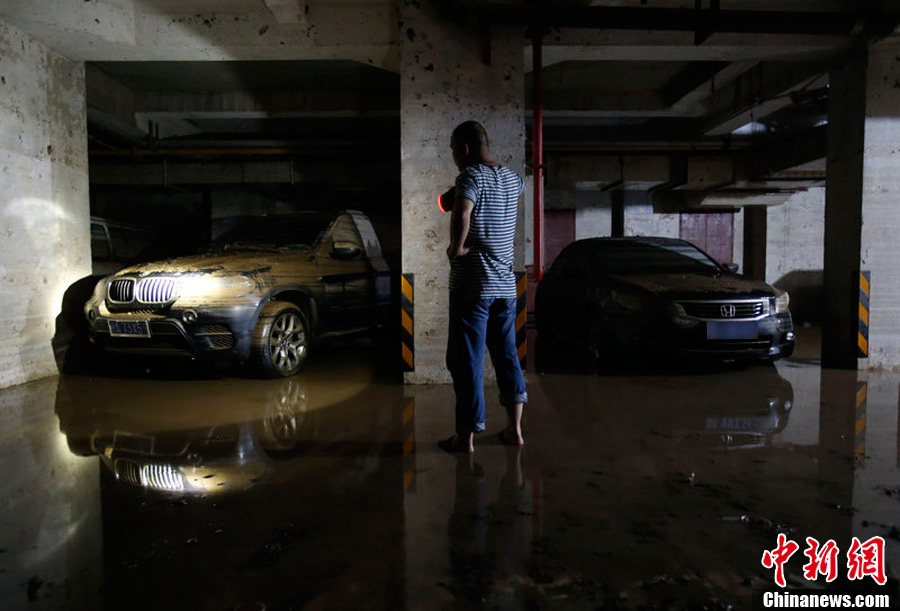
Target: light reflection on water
[[328, 489]]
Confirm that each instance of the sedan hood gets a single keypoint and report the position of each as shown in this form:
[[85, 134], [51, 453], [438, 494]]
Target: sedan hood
[[695, 284]]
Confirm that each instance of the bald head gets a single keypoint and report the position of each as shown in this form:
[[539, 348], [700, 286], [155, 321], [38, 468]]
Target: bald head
[[470, 145]]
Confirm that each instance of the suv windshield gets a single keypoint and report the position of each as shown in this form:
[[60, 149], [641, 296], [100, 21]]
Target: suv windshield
[[293, 231], [627, 258]]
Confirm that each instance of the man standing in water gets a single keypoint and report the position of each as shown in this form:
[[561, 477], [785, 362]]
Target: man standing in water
[[482, 288]]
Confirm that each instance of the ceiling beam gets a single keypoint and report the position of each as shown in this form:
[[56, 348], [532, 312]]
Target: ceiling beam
[[875, 23], [801, 149], [759, 92], [688, 103], [287, 11]]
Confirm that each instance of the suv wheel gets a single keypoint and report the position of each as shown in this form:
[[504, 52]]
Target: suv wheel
[[280, 340]]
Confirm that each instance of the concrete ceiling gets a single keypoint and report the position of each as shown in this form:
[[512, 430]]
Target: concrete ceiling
[[620, 77]]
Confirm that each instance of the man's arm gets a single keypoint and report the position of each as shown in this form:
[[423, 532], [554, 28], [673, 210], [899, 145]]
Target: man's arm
[[460, 218]]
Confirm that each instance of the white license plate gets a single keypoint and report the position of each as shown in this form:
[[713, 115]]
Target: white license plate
[[129, 328], [732, 330]]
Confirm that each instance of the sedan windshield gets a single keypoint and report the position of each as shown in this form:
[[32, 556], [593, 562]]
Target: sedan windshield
[[285, 231], [627, 258]]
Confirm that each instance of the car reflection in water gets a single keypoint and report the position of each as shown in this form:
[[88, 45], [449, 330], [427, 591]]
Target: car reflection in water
[[166, 453], [252, 488], [204, 436], [725, 408]]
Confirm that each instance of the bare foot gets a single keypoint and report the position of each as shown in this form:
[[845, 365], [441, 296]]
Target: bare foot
[[455, 445], [510, 438]]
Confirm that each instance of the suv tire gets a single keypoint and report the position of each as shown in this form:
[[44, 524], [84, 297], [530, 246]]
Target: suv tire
[[280, 340]]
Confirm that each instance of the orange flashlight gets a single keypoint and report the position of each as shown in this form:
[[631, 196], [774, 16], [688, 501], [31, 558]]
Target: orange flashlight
[[445, 200]]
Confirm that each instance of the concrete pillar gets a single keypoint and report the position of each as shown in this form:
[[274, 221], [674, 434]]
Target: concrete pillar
[[617, 224], [642, 219], [880, 246], [44, 205], [755, 242], [843, 210], [450, 73]]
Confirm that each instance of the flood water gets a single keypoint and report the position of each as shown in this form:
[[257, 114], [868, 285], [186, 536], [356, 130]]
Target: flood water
[[179, 489]]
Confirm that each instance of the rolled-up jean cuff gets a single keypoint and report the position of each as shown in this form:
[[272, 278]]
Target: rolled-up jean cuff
[[513, 400], [463, 431]]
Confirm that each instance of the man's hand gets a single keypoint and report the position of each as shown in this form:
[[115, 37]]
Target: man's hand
[[458, 253]]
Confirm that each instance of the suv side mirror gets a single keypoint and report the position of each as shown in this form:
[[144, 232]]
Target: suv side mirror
[[731, 267], [345, 250]]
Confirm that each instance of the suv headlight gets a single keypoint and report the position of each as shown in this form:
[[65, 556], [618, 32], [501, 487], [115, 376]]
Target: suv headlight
[[100, 290], [782, 301], [208, 285]]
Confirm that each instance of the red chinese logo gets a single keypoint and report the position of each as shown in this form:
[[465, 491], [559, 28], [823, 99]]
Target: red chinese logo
[[865, 559], [779, 556], [822, 561]]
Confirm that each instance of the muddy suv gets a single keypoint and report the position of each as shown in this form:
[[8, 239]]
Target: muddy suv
[[264, 290]]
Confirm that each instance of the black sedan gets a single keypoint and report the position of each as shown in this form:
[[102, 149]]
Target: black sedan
[[651, 297]]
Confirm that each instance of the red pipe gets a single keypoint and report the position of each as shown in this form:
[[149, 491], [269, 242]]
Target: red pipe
[[537, 151]]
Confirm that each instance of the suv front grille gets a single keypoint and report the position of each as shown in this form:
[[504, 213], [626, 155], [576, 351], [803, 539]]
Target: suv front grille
[[155, 290], [726, 310], [144, 291], [121, 290]]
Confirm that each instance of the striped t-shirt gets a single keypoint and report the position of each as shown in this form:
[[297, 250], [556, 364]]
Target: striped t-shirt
[[486, 271]]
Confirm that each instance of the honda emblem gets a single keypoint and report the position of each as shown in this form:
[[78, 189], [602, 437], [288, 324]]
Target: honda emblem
[[727, 310]]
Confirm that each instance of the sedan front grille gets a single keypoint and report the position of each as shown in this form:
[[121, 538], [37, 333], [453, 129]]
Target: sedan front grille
[[726, 310]]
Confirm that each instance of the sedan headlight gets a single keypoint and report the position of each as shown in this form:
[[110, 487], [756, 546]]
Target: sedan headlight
[[782, 301], [632, 301]]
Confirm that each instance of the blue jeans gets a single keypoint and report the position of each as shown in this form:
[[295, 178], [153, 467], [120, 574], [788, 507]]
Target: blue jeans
[[475, 325]]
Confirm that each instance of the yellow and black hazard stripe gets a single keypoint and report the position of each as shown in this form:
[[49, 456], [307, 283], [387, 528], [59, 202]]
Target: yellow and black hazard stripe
[[521, 317], [863, 335], [407, 337], [859, 439], [409, 445]]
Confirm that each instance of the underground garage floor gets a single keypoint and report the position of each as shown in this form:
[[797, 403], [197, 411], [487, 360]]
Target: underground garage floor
[[180, 490]]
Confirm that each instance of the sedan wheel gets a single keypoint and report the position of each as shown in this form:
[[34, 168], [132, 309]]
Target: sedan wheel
[[280, 340]]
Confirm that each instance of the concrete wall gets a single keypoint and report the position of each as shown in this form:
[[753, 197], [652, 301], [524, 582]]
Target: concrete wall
[[592, 222], [640, 219], [795, 251], [44, 205], [880, 248], [447, 79]]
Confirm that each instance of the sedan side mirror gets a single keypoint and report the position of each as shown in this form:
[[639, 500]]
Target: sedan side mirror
[[731, 267], [345, 250]]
